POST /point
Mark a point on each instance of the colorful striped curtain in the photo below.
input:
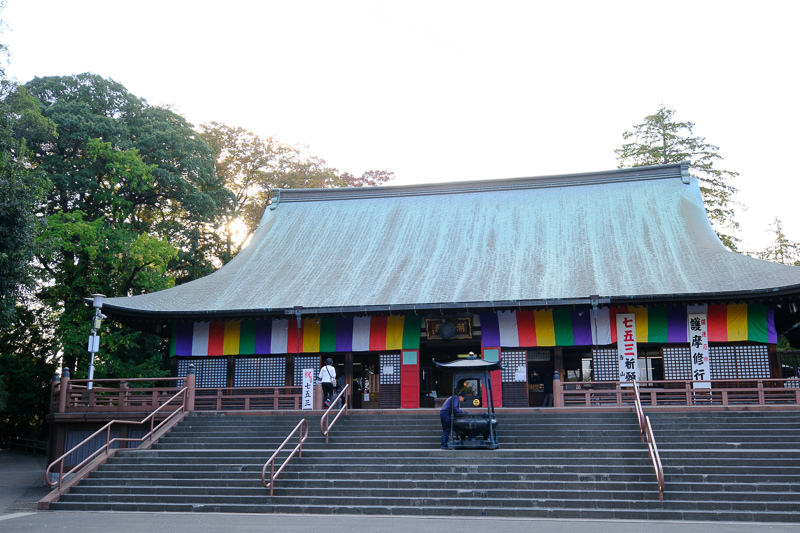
(510, 329)
(280, 336)
(661, 325)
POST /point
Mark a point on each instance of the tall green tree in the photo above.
(27, 364)
(782, 250)
(252, 167)
(660, 140)
(26, 355)
(22, 190)
(132, 209)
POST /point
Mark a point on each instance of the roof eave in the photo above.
(775, 294)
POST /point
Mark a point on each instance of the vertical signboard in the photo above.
(698, 343)
(626, 347)
(308, 388)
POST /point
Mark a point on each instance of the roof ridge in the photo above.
(673, 170)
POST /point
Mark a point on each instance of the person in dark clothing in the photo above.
(450, 406)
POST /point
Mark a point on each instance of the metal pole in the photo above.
(92, 351)
(94, 340)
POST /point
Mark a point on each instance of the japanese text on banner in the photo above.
(308, 388)
(626, 347)
(698, 344)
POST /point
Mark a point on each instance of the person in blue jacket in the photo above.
(450, 406)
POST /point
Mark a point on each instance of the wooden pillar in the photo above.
(774, 358)
(62, 393)
(318, 398)
(409, 379)
(558, 375)
(189, 382)
(289, 377)
(558, 361)
(123, 396)
(348, 377)
(494, 355)
(230, 371)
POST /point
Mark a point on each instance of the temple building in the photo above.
(606, 276)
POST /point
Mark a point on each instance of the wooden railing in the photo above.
(723, 392)
(107, 447)
(146, 395)
(646, 433)
(324, 425)
(248, 398)
(302, 428)
(113, 395)
(140, 395)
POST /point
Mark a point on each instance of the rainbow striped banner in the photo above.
(741, 322)
(280, 336)
(545, 327)
(662, 325)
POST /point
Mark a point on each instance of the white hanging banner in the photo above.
(626, 347)
(698, 343)
(308, 388)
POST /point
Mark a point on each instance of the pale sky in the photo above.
(443, 91)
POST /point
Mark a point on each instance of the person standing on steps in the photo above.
(449, 408)
(327, 377)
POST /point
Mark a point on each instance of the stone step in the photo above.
(543, 511)
(466, 500)
(331, 491)
(644, 483)
(389, 468)
(399, 429)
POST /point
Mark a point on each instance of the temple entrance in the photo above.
(540, 372)
(436, 383)
(365, 380)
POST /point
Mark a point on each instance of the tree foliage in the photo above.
(27, 365)
(782, 250)
(132, 209)
(102, 193)
(22, 190)
(661, 140)
(252, 167)
(26, 354)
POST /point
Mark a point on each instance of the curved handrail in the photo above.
(273, 475)
(110, 441)
(325, 426)
(646, 432)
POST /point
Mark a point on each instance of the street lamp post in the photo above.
(94, 338)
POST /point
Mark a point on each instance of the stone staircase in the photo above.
(554, 464)
(747, 464)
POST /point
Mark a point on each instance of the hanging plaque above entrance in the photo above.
(448, 328)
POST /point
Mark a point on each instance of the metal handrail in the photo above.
(325, 426)
(646, 433)
(273, 475)
(109, 441)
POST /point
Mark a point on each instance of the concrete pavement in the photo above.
(87, 522)
(22, 485)
(21, 481)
